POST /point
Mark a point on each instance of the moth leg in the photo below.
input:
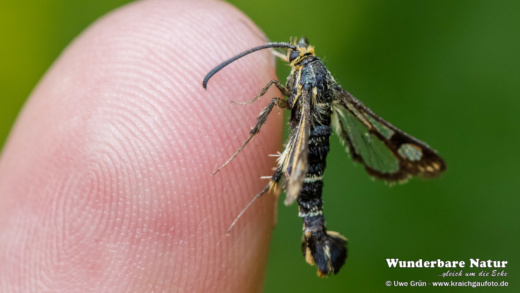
(272, 185)
(260, 121)
(264, 90)
(280, 55)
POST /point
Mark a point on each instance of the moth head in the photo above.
(302, 51)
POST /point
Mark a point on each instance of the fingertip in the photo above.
(120, 139)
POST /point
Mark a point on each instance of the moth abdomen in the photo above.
(326, 250)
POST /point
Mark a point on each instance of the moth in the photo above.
(319, 106)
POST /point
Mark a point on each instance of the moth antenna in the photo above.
(227, 62)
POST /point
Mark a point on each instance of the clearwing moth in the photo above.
(319, 105)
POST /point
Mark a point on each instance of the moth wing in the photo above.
(295, 157)
(387, 152)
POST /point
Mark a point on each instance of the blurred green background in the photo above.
(447, 72)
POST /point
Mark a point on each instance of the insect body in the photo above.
(318, 105)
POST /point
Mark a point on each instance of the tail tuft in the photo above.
(326, 250)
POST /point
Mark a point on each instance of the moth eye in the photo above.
(293, 55)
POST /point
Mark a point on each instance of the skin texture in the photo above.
(105, 181)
